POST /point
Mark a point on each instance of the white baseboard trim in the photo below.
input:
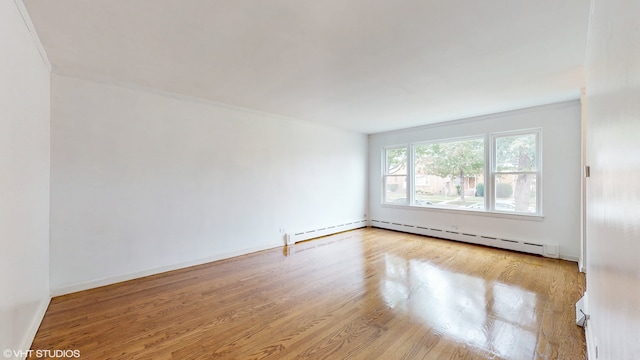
(497, 241)
(86, 285)
(581, 266)
(572, 259)
(591, 344)
(302, 235)
(292, 249)
(34, 325)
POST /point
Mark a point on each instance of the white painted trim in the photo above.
(32, 30)
(86, 285)
(463, 121)
(493, 214)
(571, 258)
(297, 236)
(583, 183)
(589, 337)
(493, 171)
(588, 333)
(490, 173)
(527, 246)
(34, 325)
(592, 6)
(305, 246)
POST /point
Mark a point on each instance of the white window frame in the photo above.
(385, 176)
(490, 174)
(490, 201)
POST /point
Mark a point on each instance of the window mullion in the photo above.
(489, 186)
(539, 172)
(410, 174)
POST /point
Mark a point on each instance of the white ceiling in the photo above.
(365, 65)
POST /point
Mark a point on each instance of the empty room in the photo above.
(319, 179)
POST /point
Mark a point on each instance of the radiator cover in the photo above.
(547, 250)
(297, 236)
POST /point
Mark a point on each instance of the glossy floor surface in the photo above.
(364, 294)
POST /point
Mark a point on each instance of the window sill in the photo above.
(493, 214)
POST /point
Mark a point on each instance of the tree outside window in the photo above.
(516, 167)
(452, 173)
(455, 167)
(395, 175)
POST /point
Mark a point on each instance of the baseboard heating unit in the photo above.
(547, 250)
(297, 236)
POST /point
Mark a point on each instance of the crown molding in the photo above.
(32, 30)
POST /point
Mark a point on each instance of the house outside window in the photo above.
(395, 175)
(451, 173)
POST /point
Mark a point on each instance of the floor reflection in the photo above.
(366, 294)
(498, 318)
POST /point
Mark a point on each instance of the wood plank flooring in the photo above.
(364, 294)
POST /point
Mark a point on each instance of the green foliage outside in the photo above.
(465, 158)
(517, 153)
(396, 161)
(452, 159)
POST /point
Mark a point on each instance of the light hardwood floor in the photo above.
(364, 294)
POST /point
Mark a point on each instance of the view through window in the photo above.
(447, 173)
(493, 172)
(516, 172)
(395, 176)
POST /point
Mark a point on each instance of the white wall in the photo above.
(24, 182)
(613, 190)
(561, 153)
(143, 182)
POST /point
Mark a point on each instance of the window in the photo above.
(516, 172)
(487, 173)
(452, 168)
(395, 175)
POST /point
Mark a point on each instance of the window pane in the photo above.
(395, 189)
(396, 161)
(516, 153)
(447, 174)
(516, 193)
